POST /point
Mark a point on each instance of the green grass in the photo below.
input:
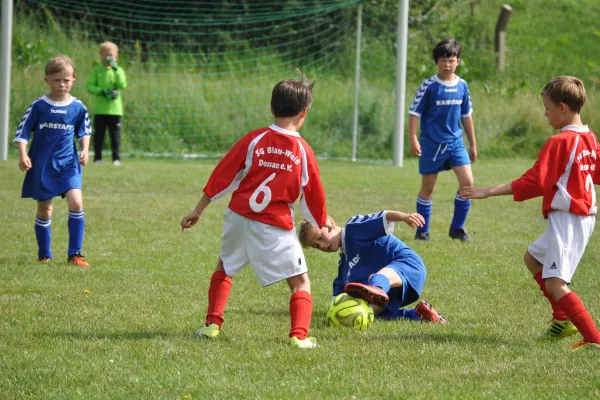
(131, 336)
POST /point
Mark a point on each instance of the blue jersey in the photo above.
(55, 164)
(440, 106)
(368, 245)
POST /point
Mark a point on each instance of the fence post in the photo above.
(500, 37)
(5, 76)
(356, 81)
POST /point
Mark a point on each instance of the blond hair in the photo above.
(109, 46)
(305, 229)
(59, 64)
(568, 90)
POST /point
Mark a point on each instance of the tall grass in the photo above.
(176, 110)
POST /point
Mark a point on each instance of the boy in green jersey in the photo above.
(106, 81)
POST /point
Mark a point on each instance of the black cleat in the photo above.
(422, 236)
(460, 234)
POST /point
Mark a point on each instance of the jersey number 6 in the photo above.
(262, 188)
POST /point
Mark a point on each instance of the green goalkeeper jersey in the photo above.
(103, 78)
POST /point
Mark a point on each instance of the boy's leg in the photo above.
(218, 294)
(464, 175)
(424, 203)
(574, 309)
(114, 130)
(535, 267)
(43, 220)
(99, 132)
(76, 225)
(300, 306)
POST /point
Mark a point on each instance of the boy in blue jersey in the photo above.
(375, 265)
(52, 165)
(442, 103)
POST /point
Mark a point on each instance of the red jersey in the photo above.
(564, 173)
(268, 169)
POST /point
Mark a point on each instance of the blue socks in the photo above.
(42, 235)
(461, 209)
(424, 208)
(402, 313)
(381, 281)
(76, 224)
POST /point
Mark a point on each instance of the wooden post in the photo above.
(500, 37)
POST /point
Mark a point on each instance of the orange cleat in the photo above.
(428, 313)
(582, 344)
(370, 294)
(78, 259)
(45, 260)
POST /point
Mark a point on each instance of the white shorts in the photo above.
(274, 253)
(560, 248)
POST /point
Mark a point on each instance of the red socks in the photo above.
(557, 312)
(300, 313)
(579, 316)
(218, 293)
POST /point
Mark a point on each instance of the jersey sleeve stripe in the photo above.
(419, 95)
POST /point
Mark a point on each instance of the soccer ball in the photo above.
(345, 310)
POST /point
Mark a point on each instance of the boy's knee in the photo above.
(44, 209)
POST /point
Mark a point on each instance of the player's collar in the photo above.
(580, 129)
(284, 131)
(445, 83)
(58, 103)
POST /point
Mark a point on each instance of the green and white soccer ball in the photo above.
(345, 310)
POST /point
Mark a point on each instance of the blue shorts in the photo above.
(437, 157)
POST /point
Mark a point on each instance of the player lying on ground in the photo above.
(375, 265)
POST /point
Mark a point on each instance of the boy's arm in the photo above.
(92, 85)
(121, 80)
(469, 128)
(471, 192)
(84, 156)
(413, 125)
(413, 220)
(194, 216)
(24, 160)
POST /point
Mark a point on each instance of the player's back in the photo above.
(279, 165)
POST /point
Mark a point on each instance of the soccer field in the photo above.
(124, 328)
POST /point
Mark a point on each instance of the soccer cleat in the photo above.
(79, 260)
(459, 233)
(428, 313)
(561, 329)
(370, 294)
(210, 331)
(422, 236)
(308, 343)
(582, 344)
(117, 163)
(45, 260)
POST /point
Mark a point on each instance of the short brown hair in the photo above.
(566, 89)
(447, 48)
(59, 64)
(291, 96)
(305, 228)
(109, 46)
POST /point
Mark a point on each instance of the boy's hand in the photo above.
(413, 220)
(330, 224)
(110, 94)
(112, 62)
(25, 163)
(84, 157)
(189, 220)
(415, 147)
(471, 192)
(473, 153)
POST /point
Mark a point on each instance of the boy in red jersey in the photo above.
(268, 170)
(564, 174)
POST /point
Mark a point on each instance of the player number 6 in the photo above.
(262, 188)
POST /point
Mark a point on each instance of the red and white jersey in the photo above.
(564, 174)
(268, 170)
